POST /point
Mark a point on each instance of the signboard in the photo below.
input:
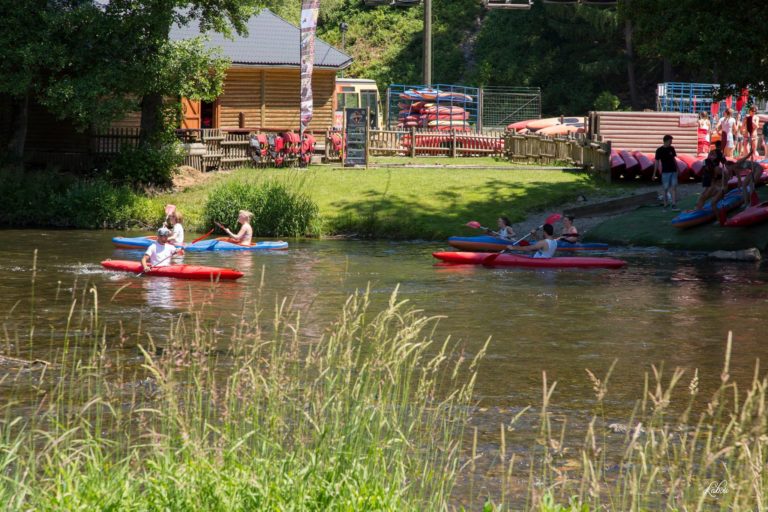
(356, 136)
(688, 120)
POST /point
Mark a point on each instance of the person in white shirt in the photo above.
(176, 220)
(727, 127)
(505, 231)
(546, 247)
(159, 253)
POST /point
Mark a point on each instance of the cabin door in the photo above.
(190, 114)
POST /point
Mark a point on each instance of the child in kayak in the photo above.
(177, 236)
(159, 253)
(244, 236)
(570, 234)
(505, 231)
(546, 247)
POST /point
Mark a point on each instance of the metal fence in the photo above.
(501, 106)
(405, 103)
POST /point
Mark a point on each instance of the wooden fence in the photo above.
(449, 143)
(579, 151)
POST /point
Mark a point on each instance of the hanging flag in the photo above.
(309, 10)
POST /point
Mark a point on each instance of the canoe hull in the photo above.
(491, 244)
(706, 215)
(197, 272)
(218, 244)
(752, 215)
(514, 260)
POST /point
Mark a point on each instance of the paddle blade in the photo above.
(488, 261)
(553, 218)
(202, 237)
(169, 209)
(474, 224)
(523, 243)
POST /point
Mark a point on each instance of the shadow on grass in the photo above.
(443, 213)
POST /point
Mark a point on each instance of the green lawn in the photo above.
(410, 203)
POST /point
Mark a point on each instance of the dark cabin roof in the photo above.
(271, 41)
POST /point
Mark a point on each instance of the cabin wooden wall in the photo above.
(269, 98)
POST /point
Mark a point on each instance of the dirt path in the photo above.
(584, 224)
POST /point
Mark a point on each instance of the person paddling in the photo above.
(546, 247)
(570, 234)
(159, 253)
(244, 236)
(505, 231)
(177, 236)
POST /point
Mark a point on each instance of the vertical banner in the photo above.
(309, 10)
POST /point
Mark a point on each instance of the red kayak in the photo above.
(752, 215)
(178, 271)
(515, 260)
(630, 162)
(646, 164)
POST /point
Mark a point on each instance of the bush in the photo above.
(146, 165)
(607, 102)
(47, 199)
(278, 210)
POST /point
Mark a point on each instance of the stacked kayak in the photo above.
(752, 215)
(177, 271)
(706, 215)
(218, 244)
(492, 243)
(514, 260)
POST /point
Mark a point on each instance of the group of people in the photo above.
(738, 136)
(715, 174)
(170, 239)
(544, 248)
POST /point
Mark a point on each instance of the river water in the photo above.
(669, 308)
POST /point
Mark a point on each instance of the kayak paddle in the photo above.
(549, 220)
(202, 237)
(156, 264)
(476, 225)
(169, 210)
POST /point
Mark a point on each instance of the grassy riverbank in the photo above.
(386, 202)
(259, 414)
(408, 203)
(248, 417)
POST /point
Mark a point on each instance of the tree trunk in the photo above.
(632, 82)
(19, 121)
(667, 76)
(151, 118)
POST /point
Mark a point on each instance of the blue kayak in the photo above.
(217, 244)
(491, 243)
(706, 215)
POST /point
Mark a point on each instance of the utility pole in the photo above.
(428, 43)
(343, 27)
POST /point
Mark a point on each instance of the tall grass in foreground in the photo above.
(667, 457)
(368, 418)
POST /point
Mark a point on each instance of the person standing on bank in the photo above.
(665, 163)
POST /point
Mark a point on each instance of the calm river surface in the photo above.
(664, 307)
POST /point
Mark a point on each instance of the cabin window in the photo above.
(347, 100)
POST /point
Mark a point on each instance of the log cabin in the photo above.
(260, 93)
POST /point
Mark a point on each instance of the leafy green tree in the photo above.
(715, 41)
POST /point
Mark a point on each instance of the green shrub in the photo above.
(146, 165)
(607, 101)
(45, 199)
(278, 209)
(97, 203)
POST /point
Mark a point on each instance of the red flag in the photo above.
(728, 101)
(715, 108)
